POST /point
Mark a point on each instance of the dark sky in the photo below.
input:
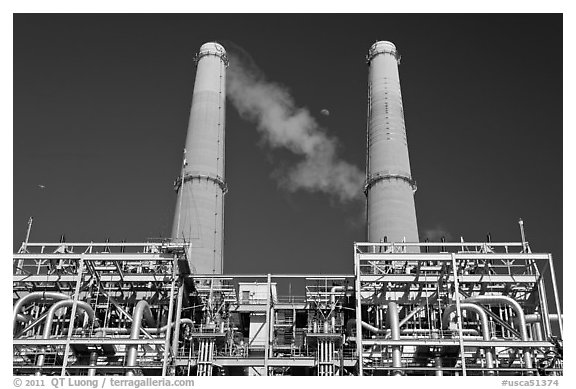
(101, 105)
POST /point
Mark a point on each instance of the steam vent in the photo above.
(167, 308)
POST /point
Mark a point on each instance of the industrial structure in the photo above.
(168, 308)
(199, 216)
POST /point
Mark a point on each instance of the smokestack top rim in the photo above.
(383, 43)
(382, 47)
(212, 48)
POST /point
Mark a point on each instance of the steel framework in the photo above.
(136, 309)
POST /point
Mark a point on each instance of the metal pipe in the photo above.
(23, 318)
(94, 355)
(34, 296)
(407, 331)
(169, 319)
(536, 317)
(437, 358)
(150, 330)
(519, 313)
(61, 304)
(484, 325)
(176, 337)
(335, 289)
(458, 302)
(93, 363)
(537, 329)
(352, 322)
(50, 318)
(142, 311)
(394, 325)
(556, 297)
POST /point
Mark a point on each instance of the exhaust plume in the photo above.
(284, 125)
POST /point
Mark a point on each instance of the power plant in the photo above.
(168, 308)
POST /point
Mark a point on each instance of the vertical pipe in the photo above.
(437, 358)
(389, 185)
(200, 358)
(458, 313)
(556, 298)
(201, 187)
(544, 308)
(394, 324)
(168, 332)
(267, 340)
(94, 355)
(210, 356)
(176, 338)
(331, 357)
(358, 295)
(522, 235)
(543, 302)
(79, 278)
(141, 311)
(320, 357)
(537, 330)
(93, 363)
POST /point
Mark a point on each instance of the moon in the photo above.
(325, 112)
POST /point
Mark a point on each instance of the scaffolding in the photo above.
(136, 309)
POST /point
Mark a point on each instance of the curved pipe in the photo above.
(33, 297)
(23, 318)
(61, 304)
(50, 319)
(485, 328)
(519, 313)
(335, 289)
(142, 311)
(352, 324)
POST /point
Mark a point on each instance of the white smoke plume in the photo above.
(284, 125)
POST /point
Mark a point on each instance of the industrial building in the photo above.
(169, 307)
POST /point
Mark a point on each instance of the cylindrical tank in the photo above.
(389, 185)
(199, 216)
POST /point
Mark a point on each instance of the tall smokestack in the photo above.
(389, 185)
(199, 216)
